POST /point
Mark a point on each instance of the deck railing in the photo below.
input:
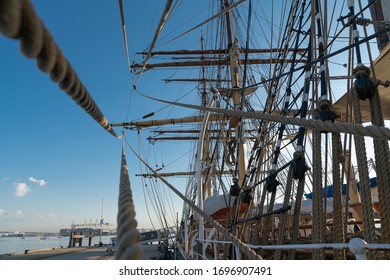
(356, 246)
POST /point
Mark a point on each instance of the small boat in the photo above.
(218, 206)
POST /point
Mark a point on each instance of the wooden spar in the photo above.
(221, 51)
(186, 173)
(195, 80)
(176, 138)
(187, 138)
(172, 174)
(196, 131)
(209, 62)
(182, 131)
(193, 119)
(161, 122)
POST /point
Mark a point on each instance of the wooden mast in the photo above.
(236, 96)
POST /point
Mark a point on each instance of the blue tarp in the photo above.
(329, 189)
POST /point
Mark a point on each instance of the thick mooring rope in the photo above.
(129, 247)
(19, 20)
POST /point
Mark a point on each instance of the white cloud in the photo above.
(49, 216)
(2, 212)
(18, 213)
(40, 182)
(21, 189)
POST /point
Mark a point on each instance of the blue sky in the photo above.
(57, 163)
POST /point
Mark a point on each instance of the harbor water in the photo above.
(18, 245)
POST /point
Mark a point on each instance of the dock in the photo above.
(151, 251)
(77, 238)
(78, 250)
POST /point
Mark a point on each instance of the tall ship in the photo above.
(280, 130)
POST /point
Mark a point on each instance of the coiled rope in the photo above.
(129, 247)
(18, 20)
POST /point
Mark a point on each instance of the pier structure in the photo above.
(77, 237)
